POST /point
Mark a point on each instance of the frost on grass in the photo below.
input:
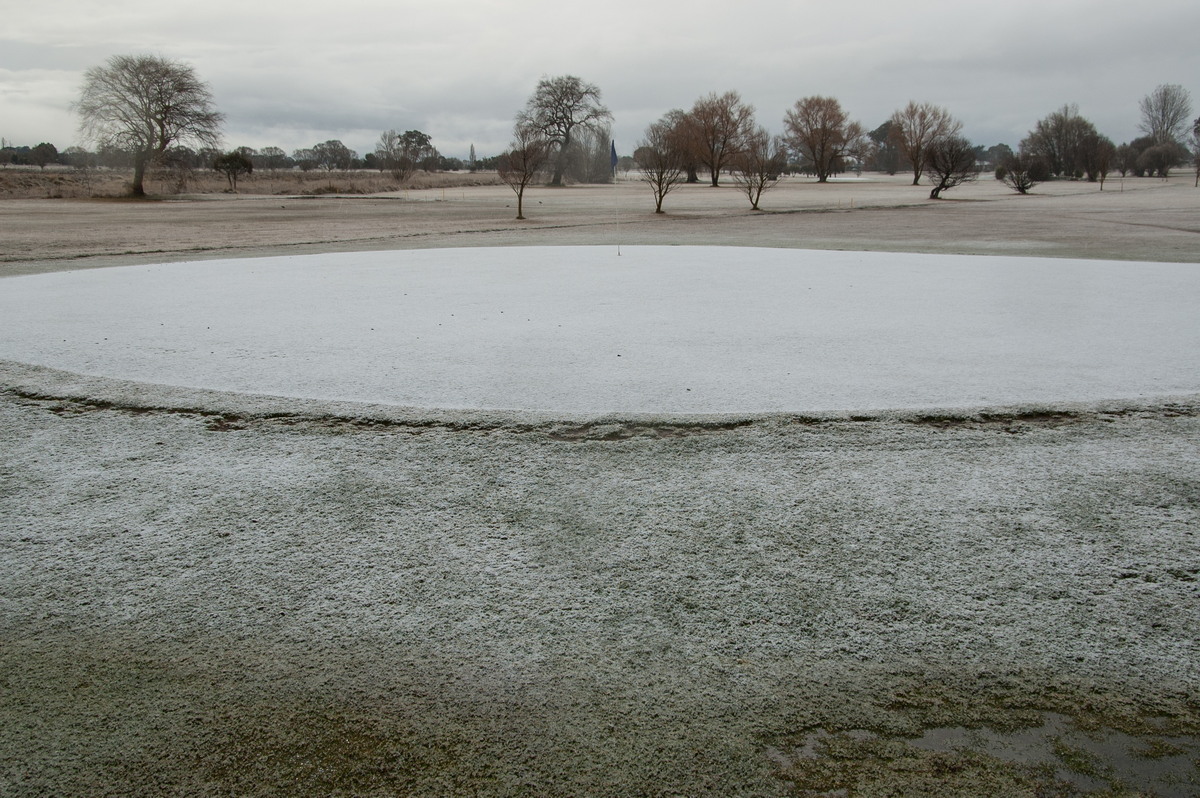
(285, 600)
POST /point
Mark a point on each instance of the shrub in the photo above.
(1022, 172)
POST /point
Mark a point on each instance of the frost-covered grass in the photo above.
(282, 595)
(212, 592)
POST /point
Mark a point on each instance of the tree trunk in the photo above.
(137, 188)
(520, 199)
(561, 161)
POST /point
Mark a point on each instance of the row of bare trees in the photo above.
(146, 104)
(719, 135)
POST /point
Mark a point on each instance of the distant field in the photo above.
(59, 183)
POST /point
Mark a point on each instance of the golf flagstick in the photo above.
(612, 162)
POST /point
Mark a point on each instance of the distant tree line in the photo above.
(40, 155)
(328, 155)
(141, 111)
(719, 136)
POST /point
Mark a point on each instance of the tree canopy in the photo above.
(557, 108)
(1059, 140)
(758, 166)
(950, 162)
(822, 135)
(233, 165)
(1165, 113)
(660, 160)
(916, 128)
(523, 162)
(718, 130)
(143, 104)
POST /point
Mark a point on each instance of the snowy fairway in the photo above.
(650, 330)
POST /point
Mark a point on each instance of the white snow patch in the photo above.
(654, 329)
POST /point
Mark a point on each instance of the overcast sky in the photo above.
(292, 74)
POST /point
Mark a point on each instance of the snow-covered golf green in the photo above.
(637, 330)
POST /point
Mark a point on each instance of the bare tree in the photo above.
(1159, 159)
(589, 159)
(390, 153)
(1059, 140)
(660, 160)
(758, 167)
(1126, 160)
(524, 161)
(717, 131)
(1165, 113)
(1097, 154)
(144, 104)
(915, 128)
(681, 132)
(559, 106)
(404, 153)
(1195, 142)
(822, 135)
(1021, 172)
(950, 162)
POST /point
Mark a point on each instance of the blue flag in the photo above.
(613, 158)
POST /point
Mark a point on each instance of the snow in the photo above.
(651, 329)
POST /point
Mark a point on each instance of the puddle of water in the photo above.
(1103, 759)
(1089, 760)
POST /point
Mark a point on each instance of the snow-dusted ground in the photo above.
(651, 330)
(210, 592)
(276, 599)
